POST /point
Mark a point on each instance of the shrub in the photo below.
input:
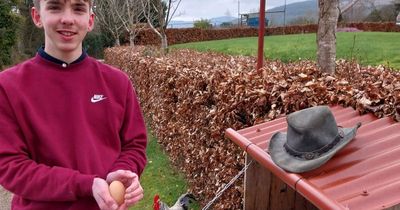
(9, 20)
(203, 24)
(95, 43)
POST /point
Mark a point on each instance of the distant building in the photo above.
(251, 19)
(180, 24)
(398, 19)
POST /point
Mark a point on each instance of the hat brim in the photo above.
(297, 165)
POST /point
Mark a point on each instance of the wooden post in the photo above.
(263, 190)
(261, 31)
(257, 187)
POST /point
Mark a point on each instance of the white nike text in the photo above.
(97, 98)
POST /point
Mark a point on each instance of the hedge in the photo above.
(185, 35)
(189, 99)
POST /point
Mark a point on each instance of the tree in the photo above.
(95, 42)
(161, 12)
(308, 18)
(356, 13)
(326, 35)
(131, 14)
(107, 16)
(348, 6)
(345, 8)
(30, 37)
(381, 13)
(397, 5)
(203, 24)
(9, 18)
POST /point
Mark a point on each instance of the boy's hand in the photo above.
(102, 195)
(134, 191)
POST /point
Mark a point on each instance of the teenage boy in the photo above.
(69, 125)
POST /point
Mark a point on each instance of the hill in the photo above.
(305, 11)
(296, 13)
(217, 21)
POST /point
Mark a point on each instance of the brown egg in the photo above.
(117, 191)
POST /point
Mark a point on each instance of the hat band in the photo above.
(316, 153)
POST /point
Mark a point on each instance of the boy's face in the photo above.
(65, 23)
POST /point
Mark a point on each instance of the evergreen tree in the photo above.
(30, 37)
(9, 19)
(203, 24)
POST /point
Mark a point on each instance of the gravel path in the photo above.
(5, 199)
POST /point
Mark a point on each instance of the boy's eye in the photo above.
(53, 7)
(80, 9)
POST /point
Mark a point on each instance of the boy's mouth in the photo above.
(66, 33)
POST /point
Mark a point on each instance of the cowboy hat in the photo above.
(312, 138)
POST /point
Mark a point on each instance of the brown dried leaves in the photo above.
(190, 98)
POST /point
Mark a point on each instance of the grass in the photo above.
(159, 177)
(368, 48)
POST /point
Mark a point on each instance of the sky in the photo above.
(190, 10)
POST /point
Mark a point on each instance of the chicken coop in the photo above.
(363, 175)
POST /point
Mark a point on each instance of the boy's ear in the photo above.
(36, 17)
(91, 22)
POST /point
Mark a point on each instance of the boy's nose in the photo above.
(67, 18)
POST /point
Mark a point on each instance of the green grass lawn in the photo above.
(159, 177)
(368, 48)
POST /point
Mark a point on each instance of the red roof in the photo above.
(363, 175)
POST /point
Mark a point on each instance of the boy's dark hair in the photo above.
(37, 5)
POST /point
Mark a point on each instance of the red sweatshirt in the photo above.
(62, 126)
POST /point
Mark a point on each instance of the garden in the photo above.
(190, 97)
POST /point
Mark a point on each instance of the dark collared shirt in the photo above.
(50, 58)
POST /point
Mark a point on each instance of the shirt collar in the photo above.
(50, 58)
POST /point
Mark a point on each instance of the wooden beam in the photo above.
(261, 31)
(263, 190)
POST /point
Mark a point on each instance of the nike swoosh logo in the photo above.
(97, 98)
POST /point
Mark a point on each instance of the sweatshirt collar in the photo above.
(57, 61)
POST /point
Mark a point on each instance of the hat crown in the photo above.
(311, 129)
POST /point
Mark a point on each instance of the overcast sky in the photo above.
(190, 10)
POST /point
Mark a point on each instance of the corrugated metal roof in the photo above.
(363, 175)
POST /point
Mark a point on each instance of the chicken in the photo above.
(182, 203)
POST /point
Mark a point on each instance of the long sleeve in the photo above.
(62, 127)
(23, 176)
(133, 136)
